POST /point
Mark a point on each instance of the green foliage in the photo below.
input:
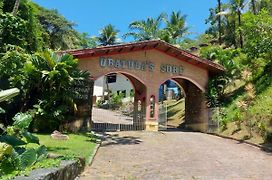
(79, 145)
(115, 100)
(108, 35)
(28, 158)
(173, 30)
(12, 30)
(99, 103)
(58, 31)
(22, 121)
(45, 80)
(23, 29)
(35, 28)
(203, 39)
(86, 41)
(230, 59)
(145, 29)
(13, 141)
(258, 35)
(8, 94)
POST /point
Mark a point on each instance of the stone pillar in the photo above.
(196, 111)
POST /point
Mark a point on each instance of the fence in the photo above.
(109, 120)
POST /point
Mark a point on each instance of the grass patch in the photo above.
(78, 145)
(259, 115)
(175, 112)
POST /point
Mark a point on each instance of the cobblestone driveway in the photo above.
(177, 155)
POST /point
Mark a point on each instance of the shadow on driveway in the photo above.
(114, 139)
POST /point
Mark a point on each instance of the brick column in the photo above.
(196, 111)
(152, 122)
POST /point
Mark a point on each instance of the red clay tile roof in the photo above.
(159, 45)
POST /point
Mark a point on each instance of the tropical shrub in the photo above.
(46, 82)
(14, 156)
(230, 59)
(115, 100)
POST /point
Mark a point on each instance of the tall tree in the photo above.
(265, 4)
(237, 6)
(145, 29)
(59, 32)
(254, 8)
(23, 29)
(108, 35)
(219, 9)
(175, 26)
(16, 7)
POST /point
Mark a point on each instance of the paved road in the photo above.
(177, 155)
(108, 116)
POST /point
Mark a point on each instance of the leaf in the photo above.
(12, 140)
(2, 111)
(30, 138)
(28, 158)
(7, 166)
(5, 149)
(41, 152)
(8, 94)
(20, 150)
(22, 120)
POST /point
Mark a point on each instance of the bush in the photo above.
(115, 100)
(99, 103)
(46, 82)
(268, 136)
(14, 156)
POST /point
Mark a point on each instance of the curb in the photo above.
(267, 149)
(92, 156)
(68, 170)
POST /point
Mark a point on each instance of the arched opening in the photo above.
(171, 105)
(118, 102)
(181, 105)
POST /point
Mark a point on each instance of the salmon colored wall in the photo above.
(152, 80)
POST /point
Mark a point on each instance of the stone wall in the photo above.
(68, 170)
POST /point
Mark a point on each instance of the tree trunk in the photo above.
(240, 31)
(219, 23)
(16, 7)
(253, 4)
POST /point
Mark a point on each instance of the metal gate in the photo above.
(109, 120)
(213, 123)
(162, 117)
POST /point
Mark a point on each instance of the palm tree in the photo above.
(253, 4)
(175, 27)
(145, 29)
(219, 22)
(16, 7)
(108, 35)
(237, 6)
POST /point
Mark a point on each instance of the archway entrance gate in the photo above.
(147, 65)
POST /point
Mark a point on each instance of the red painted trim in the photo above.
(112, 53)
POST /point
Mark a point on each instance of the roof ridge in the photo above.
(92, 51)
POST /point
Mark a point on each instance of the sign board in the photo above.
(139, 65)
